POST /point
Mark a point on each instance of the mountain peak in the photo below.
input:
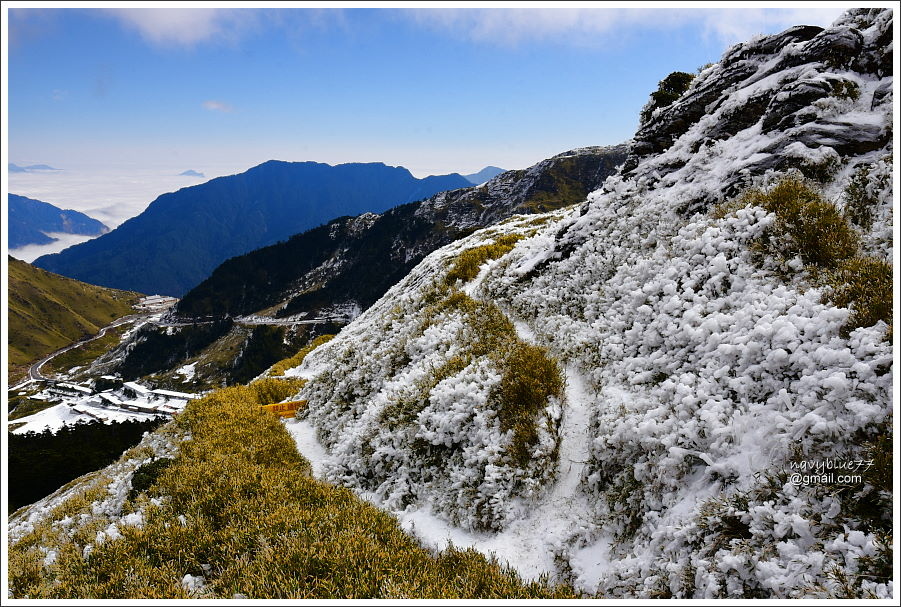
(186, 234)
(484, 175)
(30, 222)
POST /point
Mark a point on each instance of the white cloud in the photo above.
(186, 26)
(217, 106)
(735, 25)
(590, 25)
(30, 252)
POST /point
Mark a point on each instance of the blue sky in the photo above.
(435, 90)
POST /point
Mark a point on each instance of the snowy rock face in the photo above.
(805, 88)
(712, 371)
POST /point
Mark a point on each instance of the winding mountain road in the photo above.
(255, 321)
(34, 371)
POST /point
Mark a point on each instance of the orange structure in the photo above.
(288, 409)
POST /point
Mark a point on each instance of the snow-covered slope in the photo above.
(701, 369)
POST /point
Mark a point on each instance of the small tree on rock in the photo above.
(669, 89)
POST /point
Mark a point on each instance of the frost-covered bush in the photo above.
(815, 230)
(862, 194)
(806, 224)
(454, 408)
(864, 284)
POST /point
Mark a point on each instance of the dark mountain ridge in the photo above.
(30, 220)
(182, 236)
(350, 262)
(336, 270)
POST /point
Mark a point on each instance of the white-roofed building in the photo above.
(134, 389)
(171, 394)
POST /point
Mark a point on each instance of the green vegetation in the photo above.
(530, 378)
(669, 89)
(87, 352)
(870, 503)
(845, 89)
(723, 516)
(560, 186)
(159, 349)
(47, 312)
(863, 284)
(281, 366)
(806, 224)
(254, 524)
(41, 463)
(466, 265)
(861, 195)
(270, 390)
(813, 228)
(146, 474)
(264, 346)
(23, 406)
(822, 171)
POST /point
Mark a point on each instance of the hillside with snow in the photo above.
(678, 388)
(703, 357)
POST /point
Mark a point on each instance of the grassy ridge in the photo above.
(241, 509)
(48, 311)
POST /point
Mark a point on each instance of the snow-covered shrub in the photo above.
(806, 224)
(846, 89)
(865, 285)
(453, 408)
(861, 196)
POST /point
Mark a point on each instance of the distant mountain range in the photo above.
(352, 261)
(182, 236)
(14, 168)
(484, 175)
(340, 268)
(31, 220)
(191, 173)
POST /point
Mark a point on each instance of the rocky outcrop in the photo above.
(787, 84)
(557, 182)
(782, 94)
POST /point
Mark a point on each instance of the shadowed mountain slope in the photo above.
(349, 263)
